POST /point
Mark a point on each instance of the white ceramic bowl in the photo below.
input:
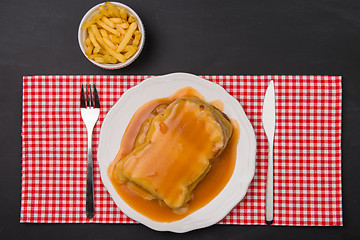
(82, 36)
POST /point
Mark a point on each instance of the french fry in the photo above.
(111, 13)
(114, 38)
(116, 20)
(136, 40)
(130, 41)
(127, 37)
(121, 38)
(106, 27)
(103, 51)
(93, 38)
(91, 21)
(115, 54)
(92, 56)
(120, 29)
(131, 19)
(104, 33)
(89, 50)
(103, 10)
(110, 59)
(99, 59)
(113, 9)
(88, 42)
(110, 44)
(98, 16)
(96, 49)
(108, 22)
(130, 53)
(124, 25)
(94, 29)
(123, 13)
(87, 24)
(128, 48)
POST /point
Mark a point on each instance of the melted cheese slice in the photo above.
(178, 150)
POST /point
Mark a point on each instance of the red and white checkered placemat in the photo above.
(307, 151)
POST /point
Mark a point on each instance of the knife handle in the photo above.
(269, 209)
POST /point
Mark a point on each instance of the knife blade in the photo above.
(269, 122)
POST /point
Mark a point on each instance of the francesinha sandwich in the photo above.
(178, 144)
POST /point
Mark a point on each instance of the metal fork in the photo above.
(90, 111)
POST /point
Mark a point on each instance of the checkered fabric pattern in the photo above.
(307, 151)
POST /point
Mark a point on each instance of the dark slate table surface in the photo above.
(39, 37)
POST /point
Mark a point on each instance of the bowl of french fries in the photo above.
(111, 35)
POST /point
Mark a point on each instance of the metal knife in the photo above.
(268, 120)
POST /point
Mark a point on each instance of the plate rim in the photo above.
(174, 226)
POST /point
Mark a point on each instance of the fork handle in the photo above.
(269, 208)
(89, 179)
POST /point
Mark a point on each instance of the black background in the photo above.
(39, 37)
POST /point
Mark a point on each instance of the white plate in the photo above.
(119, 116)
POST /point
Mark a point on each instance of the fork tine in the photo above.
(87, 97)
(96, 97)
(91, 97)
(82, 98)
